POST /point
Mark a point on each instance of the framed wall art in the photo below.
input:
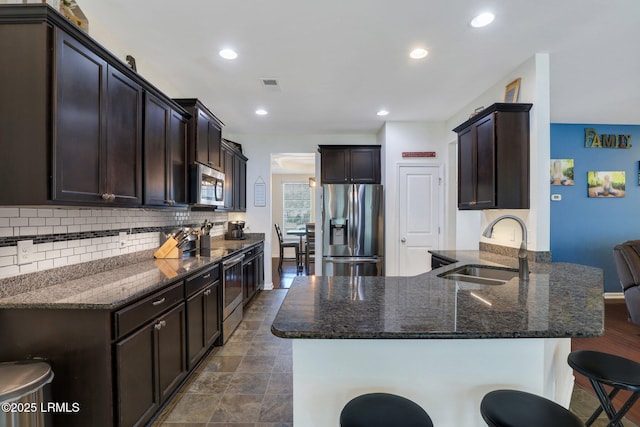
(512, 90)
(561, 172)
(606, 183)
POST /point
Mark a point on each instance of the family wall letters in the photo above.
(594, 140)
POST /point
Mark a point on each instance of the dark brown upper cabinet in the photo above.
(71, 115)
(204, 134)
(234, 166)
(165, 152)
(97, 140)
(353, 164)
(493, 158)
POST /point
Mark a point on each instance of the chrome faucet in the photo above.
(523, 262)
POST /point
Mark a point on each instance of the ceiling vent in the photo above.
(270, 83)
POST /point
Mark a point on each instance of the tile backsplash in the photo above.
(67, 236)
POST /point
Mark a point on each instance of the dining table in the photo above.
(301, 233)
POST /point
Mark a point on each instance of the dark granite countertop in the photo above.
(560, 300)
(119, 286)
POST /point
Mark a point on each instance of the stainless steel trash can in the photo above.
(22, 393)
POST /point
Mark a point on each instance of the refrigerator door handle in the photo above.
(352, 260)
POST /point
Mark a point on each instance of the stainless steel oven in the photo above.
(231, 295)
(207, 186)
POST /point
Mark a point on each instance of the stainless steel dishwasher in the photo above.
(231, 295)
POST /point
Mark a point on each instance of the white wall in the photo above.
(534, 88)
(258, 149)
(396, 137)
(277, 211)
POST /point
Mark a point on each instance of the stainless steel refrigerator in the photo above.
(353, 230)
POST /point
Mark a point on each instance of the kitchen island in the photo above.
(442, 343)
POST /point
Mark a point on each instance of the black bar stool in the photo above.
(607, 369)
(512, 408)
(383, 410)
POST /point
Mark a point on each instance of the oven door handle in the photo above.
(232, 261)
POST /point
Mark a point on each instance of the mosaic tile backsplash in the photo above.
(67, 236)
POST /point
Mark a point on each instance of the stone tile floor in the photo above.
(248, 381)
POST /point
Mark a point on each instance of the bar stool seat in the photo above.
(512, 408)
(608, 369)
(383, 410)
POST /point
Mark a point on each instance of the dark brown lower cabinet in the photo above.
(252, 272)
(120, 365)
(203, 320)
(150, 364)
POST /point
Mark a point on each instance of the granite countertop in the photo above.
(114, 288)
(560, 300)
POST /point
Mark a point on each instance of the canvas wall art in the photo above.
(606, 183)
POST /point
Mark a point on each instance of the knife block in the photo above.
(169, 249)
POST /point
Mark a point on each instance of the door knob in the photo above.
(403, 240)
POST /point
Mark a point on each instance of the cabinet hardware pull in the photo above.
(167, 201)
(160, 301)
(112, 196)
(207, 292)
(105, 196)
(158, 326)
(206, 276)
(163, 323)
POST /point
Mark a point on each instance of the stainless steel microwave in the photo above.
(207, 188)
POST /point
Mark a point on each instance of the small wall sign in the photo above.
(406, 154)
(593, 139)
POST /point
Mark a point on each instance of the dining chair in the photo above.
(309, 245)
(294, 245)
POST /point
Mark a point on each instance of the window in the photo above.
(297, 208)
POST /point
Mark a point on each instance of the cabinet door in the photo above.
(466, 169)
(214, 138)
(248, 280)
(177, 159)
(364, 166)
(171, 339)
(137, 396)
(195, 328)
(334, 166)
(124, 139)
(80, 130)
(228, 179)
(212, 318)
(156, 129)
(485, 164)
(202, 138)
(239, 184)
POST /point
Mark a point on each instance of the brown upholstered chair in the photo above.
(627, 258)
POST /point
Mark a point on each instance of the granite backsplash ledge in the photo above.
(535, 256)
(27, 282)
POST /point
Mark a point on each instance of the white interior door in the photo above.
(419, 222)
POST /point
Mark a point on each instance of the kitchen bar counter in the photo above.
(117, 287)
(441, 343)
(560, 300)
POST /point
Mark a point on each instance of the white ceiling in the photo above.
(339, 61)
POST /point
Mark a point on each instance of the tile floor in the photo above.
(248, 381)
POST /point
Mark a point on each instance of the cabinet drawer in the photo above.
(202, 279)
(129, 318)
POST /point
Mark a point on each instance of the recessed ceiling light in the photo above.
(418, 53)
(261, 112)
(228, 54)
(482, 20)
(382, 113)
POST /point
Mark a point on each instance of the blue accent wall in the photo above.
(584, 230)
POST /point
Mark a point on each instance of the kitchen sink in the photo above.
(481, 274)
